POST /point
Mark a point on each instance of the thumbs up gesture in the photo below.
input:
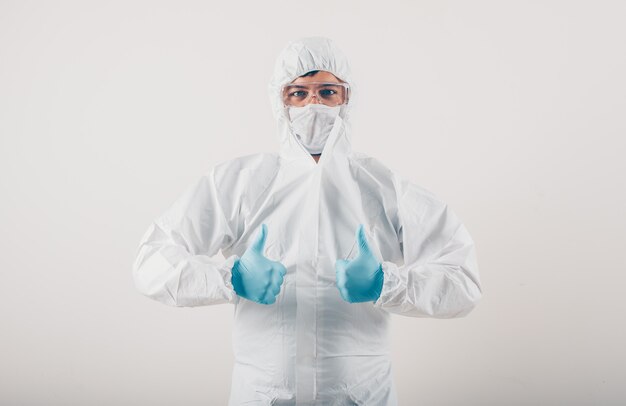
(255, 277)
(360, 279)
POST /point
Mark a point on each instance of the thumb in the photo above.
(258, 244)
(361, 239)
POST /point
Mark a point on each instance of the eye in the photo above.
(327, 92)
(298, 94)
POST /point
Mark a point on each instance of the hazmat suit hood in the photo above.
(299, 57)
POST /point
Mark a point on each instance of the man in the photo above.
(322, 245)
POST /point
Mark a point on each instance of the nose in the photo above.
(317, 100)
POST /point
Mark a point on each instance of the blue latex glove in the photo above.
(255, 277)
(361, 279)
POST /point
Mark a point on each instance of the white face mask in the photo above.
(312, 125)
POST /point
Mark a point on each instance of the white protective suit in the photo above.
(310, 347)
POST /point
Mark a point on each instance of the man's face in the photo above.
(317, 88)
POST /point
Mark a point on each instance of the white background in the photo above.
(513, 112)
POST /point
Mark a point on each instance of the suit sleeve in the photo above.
(439, 277)
(176, 262)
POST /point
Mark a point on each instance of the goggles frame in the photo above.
(306, 86)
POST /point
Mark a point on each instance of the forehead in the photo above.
(321, 76)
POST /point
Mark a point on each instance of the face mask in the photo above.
(312, 125)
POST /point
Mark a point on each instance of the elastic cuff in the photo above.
(225, 270)
(391, 282)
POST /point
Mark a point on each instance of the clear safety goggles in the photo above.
(328, 93)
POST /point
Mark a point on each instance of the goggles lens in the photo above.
(328, 93)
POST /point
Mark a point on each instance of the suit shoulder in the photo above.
(403, 186)
(235, 169)
(372, 165)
